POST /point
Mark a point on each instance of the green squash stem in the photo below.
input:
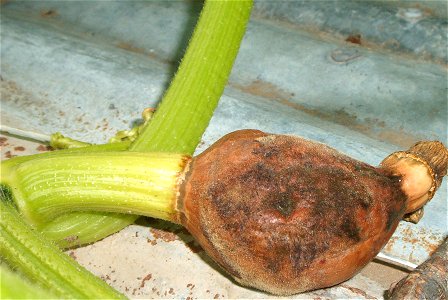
(181, 118)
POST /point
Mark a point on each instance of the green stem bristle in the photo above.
(43, 262)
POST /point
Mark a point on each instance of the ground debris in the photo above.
(427, 281)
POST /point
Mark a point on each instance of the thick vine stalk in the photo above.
(189, 102)
(123, 181)
(44, 263)
(182, 116)
(14, 286)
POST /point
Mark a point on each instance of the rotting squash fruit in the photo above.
(287, 215)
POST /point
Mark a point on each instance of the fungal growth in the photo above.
(287, 215)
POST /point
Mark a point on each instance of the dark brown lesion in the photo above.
(289, 205)
(303, 254)
(351, 230)
(392, 216)
(284, 203)
(261, 174)
(266, 151)
(223, 207)
(330, 196)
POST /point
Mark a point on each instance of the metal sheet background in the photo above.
(88, 69)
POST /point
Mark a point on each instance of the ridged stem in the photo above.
(13, 286)
(79, 228)
(124, 182)
(43, 262)
(184, 112)
(188, 105)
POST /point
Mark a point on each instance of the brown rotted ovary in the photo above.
(286, 215)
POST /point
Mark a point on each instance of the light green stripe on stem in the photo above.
(80, 228)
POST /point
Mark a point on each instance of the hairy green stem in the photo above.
(79, 228)
(189, 102)
(44, 263)
(125, 182)
(184, 113)
(14, 286)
